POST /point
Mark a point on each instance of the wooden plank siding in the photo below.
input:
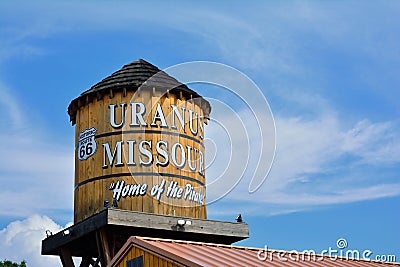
(135, 248)
(149, 260)
(92, 181)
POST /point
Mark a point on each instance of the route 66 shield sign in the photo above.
(87, 143)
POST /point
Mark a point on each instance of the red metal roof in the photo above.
(215, 255)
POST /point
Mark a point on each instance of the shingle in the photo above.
(139, 73)
(136, 73)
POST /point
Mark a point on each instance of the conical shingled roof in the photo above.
(139, 73)
(135, 74)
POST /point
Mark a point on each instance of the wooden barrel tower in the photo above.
(139, 168)
(139, 145)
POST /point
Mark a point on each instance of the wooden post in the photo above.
(66, 258)
(102, 247)
(86, 261)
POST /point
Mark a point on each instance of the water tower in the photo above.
(139, 167)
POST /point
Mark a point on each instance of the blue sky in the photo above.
(329, 70)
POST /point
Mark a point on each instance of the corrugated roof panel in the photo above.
(187, 253)
(214, 255)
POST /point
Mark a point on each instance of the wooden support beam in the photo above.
(86, 261)
(99, 250)
(103, 247)
(66, 258)
(96, 263)
(123, 223)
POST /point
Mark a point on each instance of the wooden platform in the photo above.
(103, 234)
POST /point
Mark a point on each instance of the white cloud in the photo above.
(212, 27)
(375, 143)
(32, 169)
(320, 160)
(21, 240)
(11, 114)
(276, 39)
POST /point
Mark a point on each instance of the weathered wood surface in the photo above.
(66, 258)
(103, 247)
(89, 197)
(119, 225)
(149, 259)
(87, 261)
(162, 222)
